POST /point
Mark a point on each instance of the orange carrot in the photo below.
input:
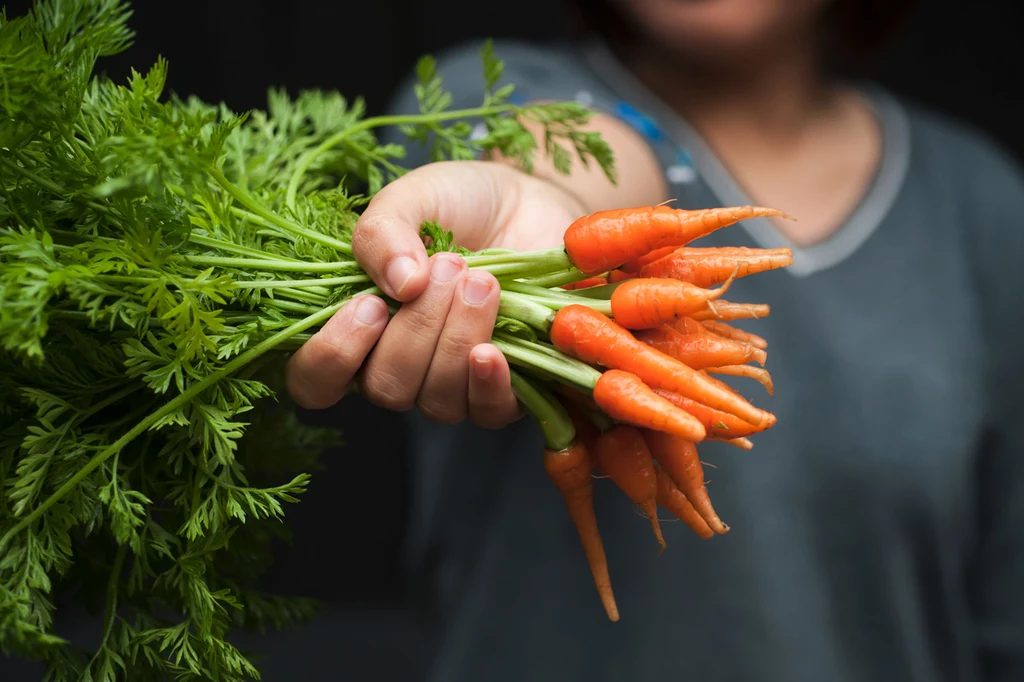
(651, 302)
(727, 310)
(730, 332)
(623, 455)
(701, 349)
(679, 459)
(707, 267)
(673, 500)
(758, 374)
(741, 443)
(593, 338)
(605, 240)
(637, 263)
(619, 276)
(719, 425)
(586, 283)
(625, 398)
(570, 471)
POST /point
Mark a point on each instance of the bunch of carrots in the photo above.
(619, 377)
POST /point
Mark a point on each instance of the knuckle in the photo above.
(370, 234)
(385, 390)
(440, 411)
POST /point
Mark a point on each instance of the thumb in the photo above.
(463, 196)
(386, 240)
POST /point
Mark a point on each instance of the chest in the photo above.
(880, 395)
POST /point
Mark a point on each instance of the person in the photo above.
(876, 530)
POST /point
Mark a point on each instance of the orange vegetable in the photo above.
(637, 263)
(625, 398)
(623, 455)
(593, 338)
(651, 302)
(570, 471)
(679, 459)
(757, 373)
(605, 240)
(719, 425)
(673, 500)
(707, 267)
(701, 349)
(727, 310)
(728, 331)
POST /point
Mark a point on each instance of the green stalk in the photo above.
(525, 309)
(556, 279)
(603, 292)
(271, 264)
(256, 207)
(376, 122)
(556, 300)
(324, 282)
(519, 352)
(168, 408)
(554, 421)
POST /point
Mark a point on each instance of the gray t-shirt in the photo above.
(877, 530)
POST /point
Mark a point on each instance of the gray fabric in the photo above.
(877, 530)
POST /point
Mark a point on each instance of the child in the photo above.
(876, 530)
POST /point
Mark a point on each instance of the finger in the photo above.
(317, 375)
(460, 196)
(492, 405)
(396, 368)
(470, 322)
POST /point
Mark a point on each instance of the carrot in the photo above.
(623, 455)
(730, 332)
(625, 398)
(719, 425)
(679, 458)
(707, 267)
(758, 374)
(701, 349)
(727, 310)
(593, 338)
(651, 302)
(619, 276)
(673, 500)
(586, 283)
(570, 471)
(637, 263)
(742, 443)
(606, 240)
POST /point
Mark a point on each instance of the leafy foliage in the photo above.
(158, 257)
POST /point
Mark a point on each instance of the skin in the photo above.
(806, 146)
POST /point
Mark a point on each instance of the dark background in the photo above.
(347, 540)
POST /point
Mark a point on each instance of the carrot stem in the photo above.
(525, 309)
(535, 356)
(557, 299)
(554, 421)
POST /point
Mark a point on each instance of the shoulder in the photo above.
(982, 173)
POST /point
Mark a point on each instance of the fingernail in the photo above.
(369, 311)
(445, 268)
(483, 368)
(477, 290)
(400, 271)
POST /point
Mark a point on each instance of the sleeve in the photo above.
(997, 568)
(538, 72)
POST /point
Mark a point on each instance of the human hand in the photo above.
(435, 353)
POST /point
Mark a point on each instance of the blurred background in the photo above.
(346, 549)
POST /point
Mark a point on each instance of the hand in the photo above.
(434, 354)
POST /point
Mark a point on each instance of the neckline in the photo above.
(859, 225)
